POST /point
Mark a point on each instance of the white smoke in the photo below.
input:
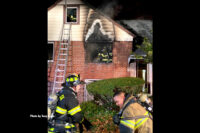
(108, 8)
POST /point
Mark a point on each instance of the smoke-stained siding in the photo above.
(106, 26)
(55, 21)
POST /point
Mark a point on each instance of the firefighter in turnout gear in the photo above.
(132, 118)
(104, 56)
(72, 18)
(68, 111)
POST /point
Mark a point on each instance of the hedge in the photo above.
(100, 118)
(105, 87)
(102, 90)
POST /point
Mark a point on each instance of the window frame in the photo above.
(77, 14)
(52, 53)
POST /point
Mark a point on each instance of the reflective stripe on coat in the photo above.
(142, 125)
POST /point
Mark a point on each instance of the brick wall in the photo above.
(52, 65)
(121, 51)
(76, 63)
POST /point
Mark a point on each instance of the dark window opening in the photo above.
(99, 52)
(98, 47)
(72, 14)
(137, 41)
(50, 51)
(104, 54)
(142, 71)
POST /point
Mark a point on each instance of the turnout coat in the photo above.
(141, 123)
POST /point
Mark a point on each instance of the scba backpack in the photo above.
(52, 103)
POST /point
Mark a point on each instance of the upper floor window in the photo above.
(72, 14)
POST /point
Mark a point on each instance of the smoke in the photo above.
(111, 9)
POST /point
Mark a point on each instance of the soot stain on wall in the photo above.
(98, 46)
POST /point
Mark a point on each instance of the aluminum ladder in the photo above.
(62, 58)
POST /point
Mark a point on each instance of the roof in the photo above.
(101, 13)
(53, 5)
(141, 28)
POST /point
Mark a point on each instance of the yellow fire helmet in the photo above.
(73, 80)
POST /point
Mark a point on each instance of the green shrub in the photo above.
(100, 117)
(90, 108)
(105, 87)
(102, 90)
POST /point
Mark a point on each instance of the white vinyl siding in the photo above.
(55, 22)
(121, 35)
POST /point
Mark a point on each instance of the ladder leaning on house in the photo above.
(62, 58)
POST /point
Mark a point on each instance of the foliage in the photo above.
(100, 117)
(105, 87)
(102, 90)
(148, 49)
(101, 110)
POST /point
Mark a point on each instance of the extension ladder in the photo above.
(62, 58)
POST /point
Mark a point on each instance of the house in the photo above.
(83, 40)
(138, 67)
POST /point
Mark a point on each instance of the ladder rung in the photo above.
(58, 82)
(63, 54)
(63, 48)
(59, 76)
(61, 65)
(58, 70)
(66, 29)
(64, 43)
(61, 59)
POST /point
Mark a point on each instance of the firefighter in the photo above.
(132, 118)
(103, 55)
(72, 18)
(68, 111)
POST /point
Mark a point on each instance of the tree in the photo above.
(146, 46)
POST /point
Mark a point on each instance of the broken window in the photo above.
(99, 52)
(104, 54)
(72, 15)
(50, 51)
